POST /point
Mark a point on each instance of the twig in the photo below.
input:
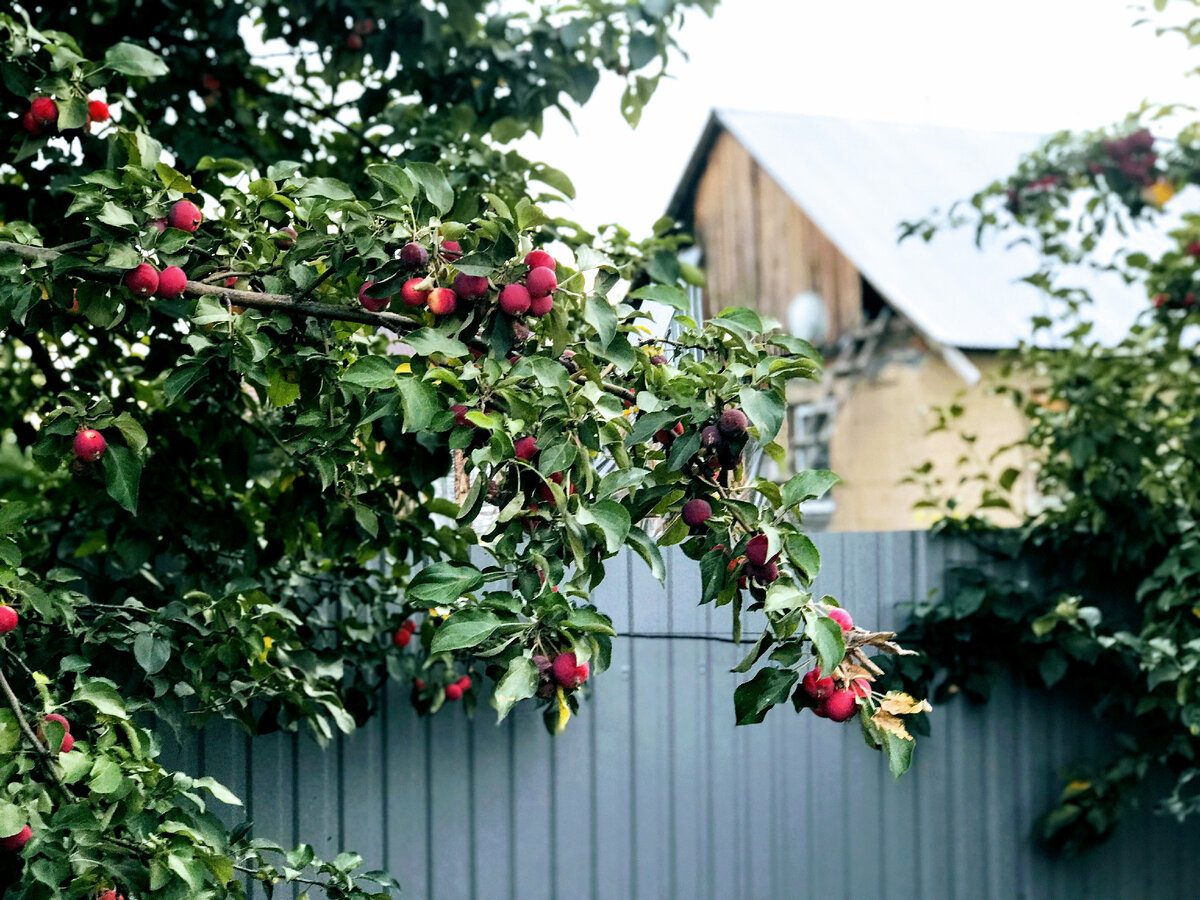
(685, 637)
(45, 757)
(15, 705)
(285, 303)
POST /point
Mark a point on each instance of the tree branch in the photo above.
(285, 303)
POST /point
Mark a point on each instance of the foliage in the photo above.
(1106, 609)
(271, 508)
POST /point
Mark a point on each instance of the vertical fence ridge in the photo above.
(654, 793)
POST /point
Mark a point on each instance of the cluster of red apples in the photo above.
(42, 117)
(833, 702)
(144, 280)
(534, 297)
(402, 638)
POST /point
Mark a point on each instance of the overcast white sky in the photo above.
(1021, 65)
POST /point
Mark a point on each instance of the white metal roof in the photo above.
(858, 180)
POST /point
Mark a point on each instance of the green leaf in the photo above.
(218, 790)
(464, 628)
(760, 647)
(765, 409)
(754, 699)
(663, 293)
(280, 391)
(122, 472)
(808, 485)
(518, 683)
(173, 180)
(556, 179)
(103, 697)
(393, 179)
(371, 372)
(151, 652)
(326, 189)
(1053, 667)
(106, 777)
(426, 341)
(647, 550)
(899, 753)
(180, 381)
(442, 583)
(827, 639)
(613, 519)
(741, 317)
(134, 434)
(589, 620)
(435, 185)
(72, 113)
(420, 402)
(599, 313)
(12, 818)
(803, 554)
(118, 217)
(130, 59)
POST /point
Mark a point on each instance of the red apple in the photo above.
(539, 306)
(442, 301)
(185, 215)
(89, 445)
(15, 842)
(840, 705)
(142, 281)
(8, 619)
(171, 282)
(44, 111)
(568, 672)
(842, 618)
(514, 299)
(541, 281)
(372, 304)
(539, 259)
(413, 255)
(470, 287)
(410, 294)
(696, 512)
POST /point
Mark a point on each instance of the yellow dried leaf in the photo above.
(901, 704)
(852, 671)
(1159, 193)
(889, 723)
(564, 712)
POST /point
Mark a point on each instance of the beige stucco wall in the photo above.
(881, 435)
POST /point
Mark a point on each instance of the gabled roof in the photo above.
(858, 180)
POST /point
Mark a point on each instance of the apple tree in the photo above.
(1110, 500)
(305, 390)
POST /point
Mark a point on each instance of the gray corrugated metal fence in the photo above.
(653, 793)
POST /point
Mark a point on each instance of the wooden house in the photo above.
(799, 217)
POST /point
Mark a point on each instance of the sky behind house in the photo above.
(1022, 65)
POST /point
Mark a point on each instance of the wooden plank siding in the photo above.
(761, 249)
(653, 793)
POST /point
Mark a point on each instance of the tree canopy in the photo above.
(1105, 610)
(259, 310)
